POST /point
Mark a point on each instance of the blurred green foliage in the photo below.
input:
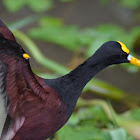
(95, 123)
(92, 119)
(130, 4)
(53, 30)
(35, 5)
(43, 5)
(71, 37)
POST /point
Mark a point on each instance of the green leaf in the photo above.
(119, 134)
(82, 133)
(48, 22)
(52, 30)
(40, 5)
(135, 114)
(14, 5)
(66, 0)
(132, 4)
(35, 5)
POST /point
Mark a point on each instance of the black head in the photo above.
(113, 52)
(11, 48)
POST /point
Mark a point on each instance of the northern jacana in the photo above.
(40, 107)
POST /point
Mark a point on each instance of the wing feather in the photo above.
(6, 32)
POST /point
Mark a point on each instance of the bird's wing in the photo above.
(17, 80)
(16, 77)
(18, 84)
(6, 32)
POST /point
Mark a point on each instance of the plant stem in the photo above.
(38, 56)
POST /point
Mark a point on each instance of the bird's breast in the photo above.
(42, 121)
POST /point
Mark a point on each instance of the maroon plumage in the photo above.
(31, 103)
(39, 107)
(6, 32)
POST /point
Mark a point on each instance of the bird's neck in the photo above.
(72, 84)
(85, 72)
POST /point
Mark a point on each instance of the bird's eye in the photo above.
(123, 55)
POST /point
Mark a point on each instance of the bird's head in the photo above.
(10, 48)
(115, 52)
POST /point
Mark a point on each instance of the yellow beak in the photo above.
(26, 56)
(133, 60)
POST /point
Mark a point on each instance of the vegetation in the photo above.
(93, 119)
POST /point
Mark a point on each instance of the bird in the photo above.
(40, 107)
